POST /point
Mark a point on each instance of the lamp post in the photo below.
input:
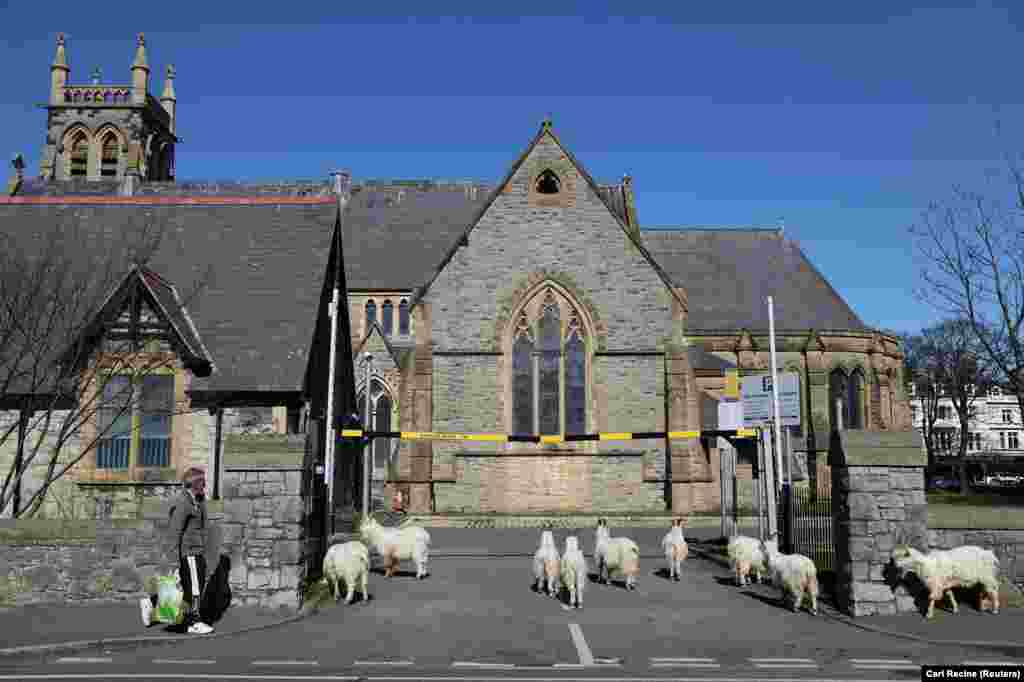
(368, 357)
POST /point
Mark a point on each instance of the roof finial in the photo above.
(96, 75)
(169, 83)
(546, 125)
(627, 179)
(140, 53)
(60, 59)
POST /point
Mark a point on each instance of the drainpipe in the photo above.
(218, 412)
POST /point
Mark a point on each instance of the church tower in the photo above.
(102, 131)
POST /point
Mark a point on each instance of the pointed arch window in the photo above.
(78, 155)
(855, 400)
(837, 399)
(371, 314)
(403, 318)
(387, 317)
(550, 367)
(548, 183)
(110, 151)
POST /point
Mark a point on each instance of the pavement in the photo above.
(467, 561)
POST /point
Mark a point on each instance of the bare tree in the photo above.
(944, 361)
(922, 376)
(973, 248)
(70, 375)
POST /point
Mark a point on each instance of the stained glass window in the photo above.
(522, 385)
(386, 312)
(548, 384)
(403, 318)
(575, 385)
(371, 314)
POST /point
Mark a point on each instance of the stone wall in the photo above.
(262, 527)
(878, 502)
(259, 525)
(1008, 546)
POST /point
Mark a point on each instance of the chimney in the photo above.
(341, 185)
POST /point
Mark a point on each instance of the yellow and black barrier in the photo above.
(533, 438)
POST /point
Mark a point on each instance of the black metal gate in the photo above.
(314, 493)
(808, 530)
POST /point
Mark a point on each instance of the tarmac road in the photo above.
(477, 618)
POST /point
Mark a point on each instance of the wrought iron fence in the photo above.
(811, 531)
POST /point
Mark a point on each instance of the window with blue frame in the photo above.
(134, 422)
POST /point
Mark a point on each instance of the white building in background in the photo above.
(995, 426)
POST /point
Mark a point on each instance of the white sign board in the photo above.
(757, 400)
(730, 415)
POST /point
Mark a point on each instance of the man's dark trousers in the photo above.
(193, 575)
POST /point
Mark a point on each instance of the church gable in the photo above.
(548, 217)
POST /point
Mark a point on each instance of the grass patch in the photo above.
(975, 499)
(974, 517)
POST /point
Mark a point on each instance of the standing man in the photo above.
(188, 526)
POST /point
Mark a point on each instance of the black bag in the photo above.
(217, 595)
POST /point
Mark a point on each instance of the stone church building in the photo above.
(539, 304)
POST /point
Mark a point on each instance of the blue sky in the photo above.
(842, 121)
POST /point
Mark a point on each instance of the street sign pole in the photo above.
(775, 392)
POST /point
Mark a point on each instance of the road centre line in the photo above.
(84, 659)
(681, 660)
(985, 664)
(686, 665)
(184, 661)
(886, 661)
(780, 660)
(476, 664)
(382, 662)
(586, 656)
(285, 663)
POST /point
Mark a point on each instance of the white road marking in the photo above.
(382, 662)
(285, 663)
(475, 664)
(987, 663)
(183, 661)
(84, 659)
(887, 665)
(885, 661)
(586, 657)
(780, 660)
(686, 665)
(682, 660)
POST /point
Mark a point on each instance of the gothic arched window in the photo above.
(855, 401)
(387, 317)
(549, 367)
(837, 399)
(548, 183)
(403, 318)
(371, 314)
(78, 154)
(110, 151)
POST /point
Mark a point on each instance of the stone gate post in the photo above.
(877, 501)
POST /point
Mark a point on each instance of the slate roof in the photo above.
(728, 273)
(395, 236)
(260, 269)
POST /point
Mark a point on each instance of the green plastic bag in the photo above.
(169, 601)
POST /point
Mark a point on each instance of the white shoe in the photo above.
(147, 611)
(200, 629)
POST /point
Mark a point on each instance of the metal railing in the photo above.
(810, 533)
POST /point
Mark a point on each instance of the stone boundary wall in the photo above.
(878, 501)
(259, 525)
(1008, 546)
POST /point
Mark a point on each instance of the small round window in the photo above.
(548, 183)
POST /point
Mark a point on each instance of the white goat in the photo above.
(397, 545)
(675, 548)
(618, 556)
(573, 571)
(746, 557)
(348, 563)
(943, 570)
(546, 564)
(795, 574)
